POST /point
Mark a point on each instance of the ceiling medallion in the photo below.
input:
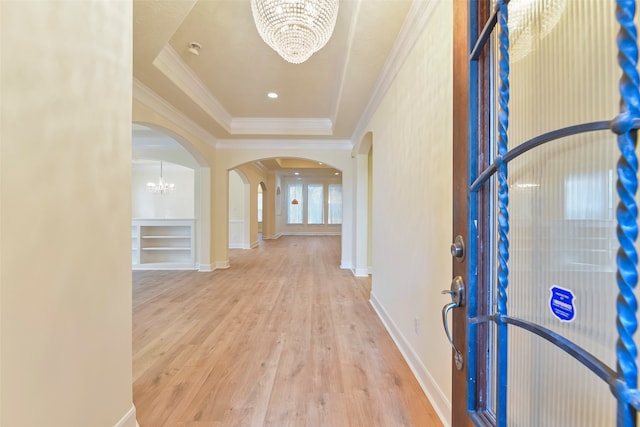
(296, 29)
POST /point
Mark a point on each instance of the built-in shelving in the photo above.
(163, 244)
(135, 244)
(166, 249)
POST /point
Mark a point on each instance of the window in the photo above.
(315, 202)
(294, 204)
(335, 203)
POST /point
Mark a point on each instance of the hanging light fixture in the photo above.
(162, 186)
(294, 202)
(296, 29)
(530, 21)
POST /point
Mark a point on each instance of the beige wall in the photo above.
(65, 208)
(411, 219)
(370, 210)
(273, 205)
(244, 195)
(254, 176)
(238, 211)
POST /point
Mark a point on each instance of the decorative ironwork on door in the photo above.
(562, 302)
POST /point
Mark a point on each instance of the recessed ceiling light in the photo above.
(296, 173)
(337, 173)
(320, 163)
(272, 95)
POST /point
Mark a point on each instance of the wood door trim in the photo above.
(461, 73)
(483, 211)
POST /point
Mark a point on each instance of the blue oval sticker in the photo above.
(561, 304)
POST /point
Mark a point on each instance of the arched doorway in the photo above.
(275, 183)
(263, 213)
(188, 202)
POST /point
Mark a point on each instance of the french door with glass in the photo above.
(545, 178)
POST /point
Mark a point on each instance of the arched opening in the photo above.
(274, 226)
(239, 209)
(370, 211)
(262, 211)
(363, 207)
(276, 182)
(170, 226)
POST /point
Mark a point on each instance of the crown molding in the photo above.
(175, 69)
(417, 18)
(155, 102)
(280, 126)
(337, 98)
(285, 144)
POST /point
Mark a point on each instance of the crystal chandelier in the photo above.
(296, 29)
(162, 186)
(530, 21)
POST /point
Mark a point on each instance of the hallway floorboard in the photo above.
(282, 338)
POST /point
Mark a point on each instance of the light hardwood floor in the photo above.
(282, 338)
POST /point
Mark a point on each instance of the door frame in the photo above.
(461, 130)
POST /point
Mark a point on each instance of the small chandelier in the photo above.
(296, 29)
(529, 22)
(162, 186)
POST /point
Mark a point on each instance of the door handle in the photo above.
(457, 300)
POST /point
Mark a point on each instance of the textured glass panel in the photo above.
(562, 235)
(562, 203)
(544, 392)
(569, 74)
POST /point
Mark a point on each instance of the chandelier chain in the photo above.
(162, 186)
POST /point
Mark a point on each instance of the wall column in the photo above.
(65, 214)
(220, 217)
(361, 214)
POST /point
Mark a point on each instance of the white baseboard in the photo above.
(240, 246)
(129, 419)
(360, 272)
(205, 268)
(274, 237)
(438, 399)
(164, 266)
(346, 265)
(251, 245)
(311, 233)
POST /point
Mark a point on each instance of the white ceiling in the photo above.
(223, 90)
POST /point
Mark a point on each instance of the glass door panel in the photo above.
(562, 200)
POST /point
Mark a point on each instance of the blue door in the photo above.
(548, 258)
